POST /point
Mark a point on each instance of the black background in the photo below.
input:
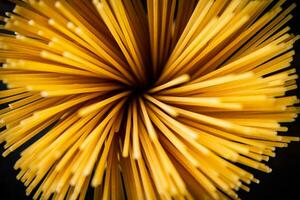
(282, 183)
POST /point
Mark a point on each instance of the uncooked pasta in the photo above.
(156, 99)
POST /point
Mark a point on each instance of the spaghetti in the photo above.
(155, 102)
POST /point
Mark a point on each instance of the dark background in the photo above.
(282, 183)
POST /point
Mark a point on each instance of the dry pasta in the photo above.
(145, 100)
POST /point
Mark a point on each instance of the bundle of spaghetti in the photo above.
(145, 100)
